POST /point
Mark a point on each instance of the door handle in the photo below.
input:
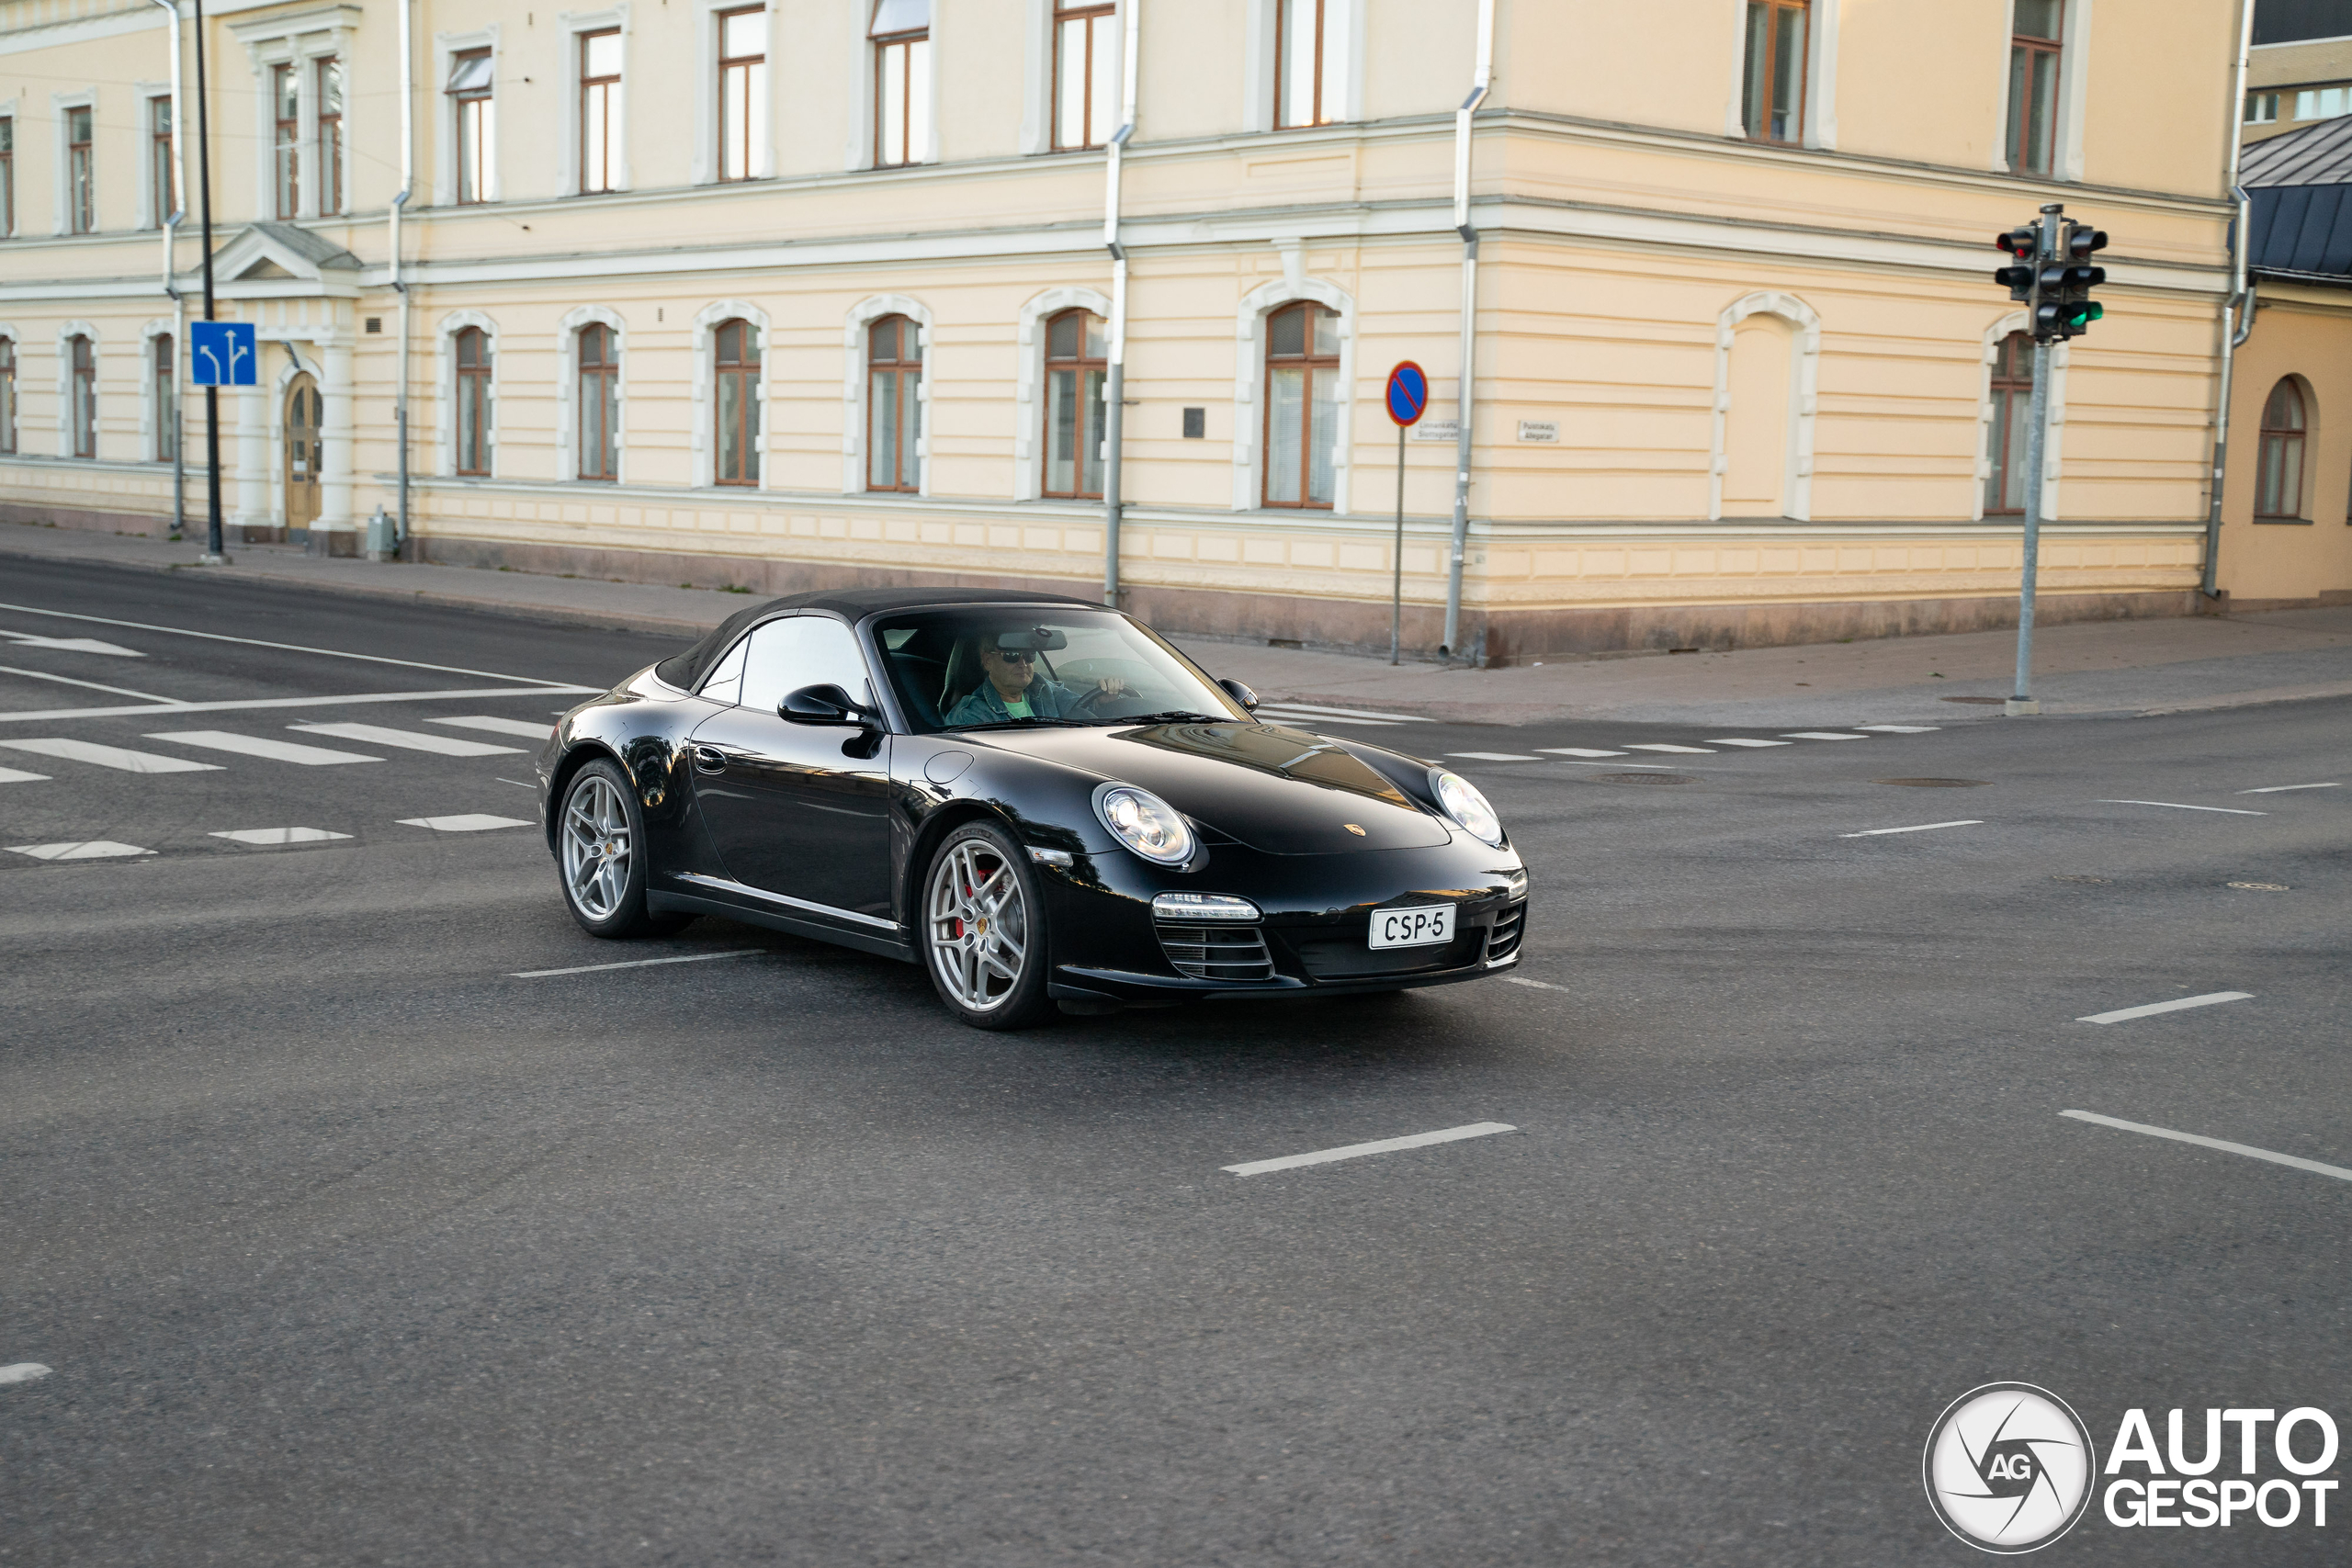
(709, 759)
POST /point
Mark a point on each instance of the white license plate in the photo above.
(1420, 925)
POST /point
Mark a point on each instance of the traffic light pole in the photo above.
(2049, 235)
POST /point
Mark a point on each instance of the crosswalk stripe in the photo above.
(1284, 716)
(409, 740)
(529, 728)
(1577, 752)
(111, 757)
(91, 848)
(261, 746)
(1349, 713)
(1495, 756)
(1822, 735)
(16, 775)
(277, 835)
(1901, 728)
(1662, 746)
(464, 822)
(1720, 743)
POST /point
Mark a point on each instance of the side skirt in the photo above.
(775, 920)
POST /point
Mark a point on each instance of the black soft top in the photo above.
(685, 670)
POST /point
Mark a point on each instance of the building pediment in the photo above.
(282, 259)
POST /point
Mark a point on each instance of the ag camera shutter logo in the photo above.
(2009, 1468)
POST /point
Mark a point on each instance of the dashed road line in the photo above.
(262, 746)
(530, 729)
(1347, 713)
(1576, 752)
(2178, 1004)
(1663, 746)
(464, 822)
(1748, 743)
(120, 710)
(266, 836)
(1495, 756)
(1821, 735)
(18, 775)
(1921, 828)
(2281, 789)
(114, 757)
(23, 1371)
(89, 849)
(1901, 728)
(86, 686)
(1538, 985)
(409, 740)
(2273, 1155)
(1379, 1146)
(632, 964)
(2177, 806)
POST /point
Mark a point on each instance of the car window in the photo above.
(725, 683)
(1080, 666)
(804, 650)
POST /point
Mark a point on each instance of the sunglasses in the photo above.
(1012, 657)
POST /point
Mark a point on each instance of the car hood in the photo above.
(1277, 790)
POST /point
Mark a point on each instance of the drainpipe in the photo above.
(399, 200)
(2237, 312)
(1115, 383)
(171, 227)
(1468, 357)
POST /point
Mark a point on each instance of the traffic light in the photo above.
(2018, 279)
(2077, 309)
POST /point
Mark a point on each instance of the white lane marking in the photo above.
(92, 848)
(1922, 828)
(1732, 742)
(2177, 806)
(279, 835)
(1350, 713)
(1576, 752)
(296, 648)
(2281, 789)
(529, 728)
(1901, 728)
(111, 757)
(1821, 735)
(87, 685)
(519, 783)
(2223, 1145)
(1280, 716)
(23, 1371)
(632, 964)
(2151, 1009)
(70, 643)
(1662, 746)
(1539, 985)
(18, 775)
(1495, 756)
(262, 746)
(1643, 767)
(1380, 1146)
(412, 740)
(121, 710)
(464, 822)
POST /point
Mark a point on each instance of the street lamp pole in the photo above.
(214, 554)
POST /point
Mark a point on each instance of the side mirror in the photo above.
(823, 705)
(1239, 694)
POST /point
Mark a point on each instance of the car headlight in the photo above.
(1462, 802)
(1145, 823)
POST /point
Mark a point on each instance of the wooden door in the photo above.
(305, 451)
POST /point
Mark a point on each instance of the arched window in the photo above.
(83, 356)
(167, 402)
(1077, 360)
(2004, 441)
(1302, 404)
(2278, 478)
(893, 404)
(600, 403)
(7, 394)
(473, 400)
(737, 399)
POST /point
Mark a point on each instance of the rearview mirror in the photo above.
(1239, 694)
(823, 705)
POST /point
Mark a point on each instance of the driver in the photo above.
(1012, 689)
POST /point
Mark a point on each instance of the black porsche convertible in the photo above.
(1038, 800)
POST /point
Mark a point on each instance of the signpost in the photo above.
(1408, 398)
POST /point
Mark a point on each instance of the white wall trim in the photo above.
(708, 321)
(66, 332)
(446, 47)
(864, 313)
(60, 184)
(1028, 465)
(1250, 369)
(153, 412)
(566, 394)
(571, 25)
(444, 379)
(153, 204)
(860, 152)
(1804, 380)
(704, 170)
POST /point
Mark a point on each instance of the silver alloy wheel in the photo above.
(597, 853)
(976, 925)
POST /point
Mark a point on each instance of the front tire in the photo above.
(600, 855)
(984, 930)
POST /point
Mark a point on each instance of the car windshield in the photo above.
(992, 666)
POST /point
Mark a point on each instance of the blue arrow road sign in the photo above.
(220, 353)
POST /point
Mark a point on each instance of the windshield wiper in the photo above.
(1173, 715)
(1024, 724)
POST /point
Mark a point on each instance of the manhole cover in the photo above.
(1972, 699)
(2260, 886)
(2098, 881)
(1646, 778)
(1935, 783)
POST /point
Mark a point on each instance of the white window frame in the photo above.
(860, 155)
(1805, 398)
(1249, 387)
(567, 395)
(445, 377)
(446, 47)
(2073, 91)
(1817, 127)
(1028, 480)
(571, 25)
(706, 170)
(2053, 443)
(862, 315)
(155, 206)
(706, 372)
(1258, 65)
(301, 40)
(60, 180)
(66, 332)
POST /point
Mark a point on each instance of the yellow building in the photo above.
(828, 290)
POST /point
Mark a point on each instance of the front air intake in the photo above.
(1216, 952)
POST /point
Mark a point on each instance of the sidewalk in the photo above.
(2114, 667)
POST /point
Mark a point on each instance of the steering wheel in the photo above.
(1086, 704)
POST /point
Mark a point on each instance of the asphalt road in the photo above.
(346, 1245)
